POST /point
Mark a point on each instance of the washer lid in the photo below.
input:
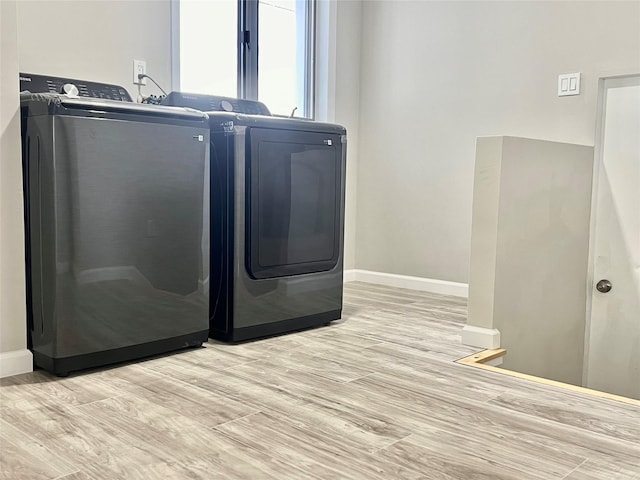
(102, 105)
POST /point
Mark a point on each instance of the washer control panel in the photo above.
(214, 103)
(74, 88)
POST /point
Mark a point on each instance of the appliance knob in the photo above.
(226, 106)
(70, 89)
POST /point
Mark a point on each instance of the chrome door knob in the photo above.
(604, 286)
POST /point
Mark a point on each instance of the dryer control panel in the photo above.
(214, 103)
(79, 88)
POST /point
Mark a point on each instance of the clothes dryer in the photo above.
(277, 219)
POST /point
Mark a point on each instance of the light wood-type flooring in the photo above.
(376, 395)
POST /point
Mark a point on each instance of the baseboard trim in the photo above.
(15, 363)
(442, 287)
(349, 276)
(488, 338)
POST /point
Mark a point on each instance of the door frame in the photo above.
(604, 82)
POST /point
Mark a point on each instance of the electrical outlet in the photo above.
(139, 68)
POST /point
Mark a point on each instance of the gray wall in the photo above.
(338, 28)
(96, 40)
(13, 331)
(92, 40)
(530, 256)
(434, 76)
(484, 238)
(347, 105)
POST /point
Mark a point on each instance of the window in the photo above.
(256, 49)
(209, 47)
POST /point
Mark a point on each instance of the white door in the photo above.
(612, 358)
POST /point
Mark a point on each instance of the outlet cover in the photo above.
(139, 68)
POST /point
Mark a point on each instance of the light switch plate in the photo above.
(569, 84)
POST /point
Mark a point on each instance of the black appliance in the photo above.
(211, 103)
(117, 224)
(277, 219)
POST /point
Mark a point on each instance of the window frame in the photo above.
(248, 69)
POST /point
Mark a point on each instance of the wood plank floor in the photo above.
(376, 395)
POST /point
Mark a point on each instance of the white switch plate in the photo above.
(139, 68)
(569, 84)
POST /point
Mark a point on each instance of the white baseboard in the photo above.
(480, 337)
(349, 276)
(15, 363)
(442, 287)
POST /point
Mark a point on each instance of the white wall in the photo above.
(92, 40)
(347, 101)
(14, 358)
(338, 93)
(96, 40)
(529, 252)
(434, 76)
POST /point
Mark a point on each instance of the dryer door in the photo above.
(294, 203)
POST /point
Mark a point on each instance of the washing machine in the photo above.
(277, 219)
(117, 224)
